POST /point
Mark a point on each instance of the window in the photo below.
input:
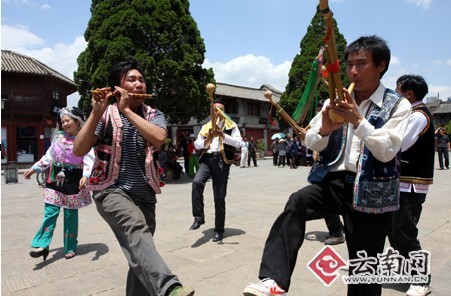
(56, 93)
(253, 109)
(231, 106)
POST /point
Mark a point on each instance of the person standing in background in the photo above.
(192, 155)
(185, 154)
(275, 151)
(252, 152)
(244, 152)
(442, 147)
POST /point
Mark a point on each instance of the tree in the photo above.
(163, 37)
(300, 68)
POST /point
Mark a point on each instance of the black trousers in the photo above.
(252, 155)
(334, 225)
(404, 232)
(333, 196)
(209, 167)
(275, 158)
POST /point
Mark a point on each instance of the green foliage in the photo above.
(300, 68)
(448, 128)
(163, 37)
(260, 146)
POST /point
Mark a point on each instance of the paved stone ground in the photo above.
(256, 195)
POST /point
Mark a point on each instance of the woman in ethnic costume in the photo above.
(65, 186)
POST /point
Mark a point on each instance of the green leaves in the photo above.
(301, 66)
(163, 37)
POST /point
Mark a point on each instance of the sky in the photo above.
(253, 42)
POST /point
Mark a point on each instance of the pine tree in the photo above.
(300, 68)
(163, 37)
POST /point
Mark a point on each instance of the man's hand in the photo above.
(348, 109)
(123, 99)
(99, 101)
(327, 125)
(301, 134)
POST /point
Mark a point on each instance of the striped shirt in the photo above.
(132, 174)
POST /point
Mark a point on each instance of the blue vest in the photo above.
(376, 187)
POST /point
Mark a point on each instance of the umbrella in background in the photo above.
(278, 136)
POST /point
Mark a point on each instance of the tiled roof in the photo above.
(444, 107)
(14, 62)
(235, 91)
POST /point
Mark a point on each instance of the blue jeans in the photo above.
(443, 154)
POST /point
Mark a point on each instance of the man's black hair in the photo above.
(415, 83)
(119, 70)
(375, 45)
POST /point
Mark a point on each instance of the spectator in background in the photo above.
(282, 152)
(275, 151)
(442, 147)
(172, 162)
(185, 153)
(252, 152)
(244, 152)
(192, 155)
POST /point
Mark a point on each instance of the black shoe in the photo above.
(334, 240)
(196, 225)
(218, 237)
(38, 253)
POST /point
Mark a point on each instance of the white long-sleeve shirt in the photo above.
(384, 143)
(234, 139)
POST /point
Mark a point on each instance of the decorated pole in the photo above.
(284, 115)
(211, 89)
(335, 86)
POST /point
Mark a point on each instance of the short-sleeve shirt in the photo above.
(443, 141)
(132, 174)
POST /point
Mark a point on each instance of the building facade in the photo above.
(32, 95)
(249, 109)
(441, 111)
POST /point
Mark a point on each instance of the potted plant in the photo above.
(260, 147)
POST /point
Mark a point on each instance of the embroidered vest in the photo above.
(108, 152)
(417, 162)
(376, 187)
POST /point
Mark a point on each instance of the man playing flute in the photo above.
(356, 176)
(124, 176)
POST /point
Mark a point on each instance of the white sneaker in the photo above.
(266, 287)
(415, 290)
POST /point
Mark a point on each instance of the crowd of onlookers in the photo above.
(286, 151)
(291, 152)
